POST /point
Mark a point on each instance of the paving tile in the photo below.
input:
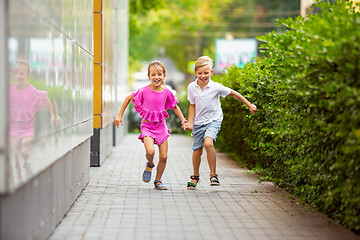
(116, 204)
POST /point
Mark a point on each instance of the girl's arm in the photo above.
(190, 124)
(239, 97)
(119, 118)
(179, 113)
(58, 120)
(50, 107)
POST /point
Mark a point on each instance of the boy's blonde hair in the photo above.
(158, 66)
(203, 61)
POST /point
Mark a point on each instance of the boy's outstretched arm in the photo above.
(179, 113)
(119, 118)
(239, 97)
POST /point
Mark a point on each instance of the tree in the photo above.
(188, 29)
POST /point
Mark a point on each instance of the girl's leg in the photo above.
(15, 146)
(150, 151)
(163, 150)
(15, 149)
(211, 154)
(26, 144)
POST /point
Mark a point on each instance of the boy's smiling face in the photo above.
(203, 74)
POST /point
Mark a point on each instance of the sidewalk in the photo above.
(116, 204)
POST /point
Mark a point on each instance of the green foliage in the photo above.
(306, 134)
(188, 29)
(142, 7)
(173, 122)
(53, 92)
(144, 28)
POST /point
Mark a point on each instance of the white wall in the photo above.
(3, 97)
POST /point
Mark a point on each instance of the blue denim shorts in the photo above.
(200, 132)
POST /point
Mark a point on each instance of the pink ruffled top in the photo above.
(25, 103)
(152, 105)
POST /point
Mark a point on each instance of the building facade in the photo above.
(50, 102)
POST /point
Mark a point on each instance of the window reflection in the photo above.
(50, 84)
(25, 101)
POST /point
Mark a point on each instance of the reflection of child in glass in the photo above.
(151, 102)
(205, 116)
(25, 101)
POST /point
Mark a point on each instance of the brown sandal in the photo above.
(214, 181)
(192, 186)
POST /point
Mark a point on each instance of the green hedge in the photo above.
(306, 134)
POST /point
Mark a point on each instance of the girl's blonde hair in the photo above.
(25, 63)
(158, 66)
(203, 61)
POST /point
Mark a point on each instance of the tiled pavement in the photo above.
(116, 204)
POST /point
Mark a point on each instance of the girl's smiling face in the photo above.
(156, 76)
(21, 73)
(203, 74)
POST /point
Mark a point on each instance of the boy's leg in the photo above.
(196, 159)
(211, 154)
(210, 138)
(163, 150)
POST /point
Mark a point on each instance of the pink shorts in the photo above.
(21, 129)
(157, 130)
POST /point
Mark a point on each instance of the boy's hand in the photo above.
(187, 126)
(252, 108)
(118, 121)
